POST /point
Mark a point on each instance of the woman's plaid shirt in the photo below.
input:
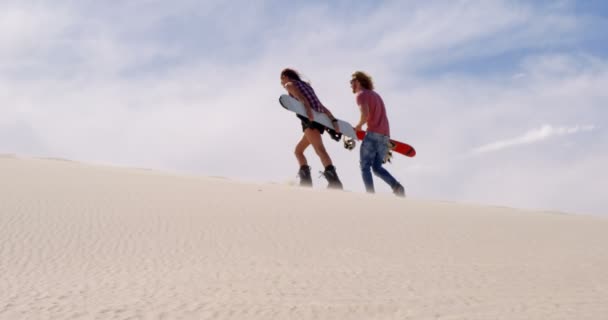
(309, 93)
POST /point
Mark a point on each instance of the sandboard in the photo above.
(296, 106)
(346, 128)
(396, 146)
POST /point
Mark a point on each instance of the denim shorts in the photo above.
(311, 124)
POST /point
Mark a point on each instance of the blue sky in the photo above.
(504, 100)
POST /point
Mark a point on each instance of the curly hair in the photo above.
(364, 79)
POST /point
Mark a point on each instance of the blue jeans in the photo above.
(373, 149)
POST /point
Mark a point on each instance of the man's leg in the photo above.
(367, 155)
(379, 171)
(383, 173)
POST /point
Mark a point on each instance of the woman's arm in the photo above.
(333, 119)
(294, 91)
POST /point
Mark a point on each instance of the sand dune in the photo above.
(79, 241)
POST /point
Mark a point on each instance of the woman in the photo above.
(302, 91)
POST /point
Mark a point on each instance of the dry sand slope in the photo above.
(88, 242)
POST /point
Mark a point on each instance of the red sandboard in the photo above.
(399, 147)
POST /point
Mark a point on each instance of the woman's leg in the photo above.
(314, 138)
(299, 151)
(304, 172)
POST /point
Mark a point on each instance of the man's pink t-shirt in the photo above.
(377, 121)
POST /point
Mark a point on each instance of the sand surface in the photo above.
(80, 241)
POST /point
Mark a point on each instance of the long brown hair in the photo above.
(292, 74)
(364, 79)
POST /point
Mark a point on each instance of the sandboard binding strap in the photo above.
(349, 143)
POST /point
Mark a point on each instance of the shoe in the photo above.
(399, 191)
(332, 177)
(305, 177)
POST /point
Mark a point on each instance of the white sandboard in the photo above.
(296, 106)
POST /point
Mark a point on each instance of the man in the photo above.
(375, 143)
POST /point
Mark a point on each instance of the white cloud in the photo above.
(533, 136)
(27, 29)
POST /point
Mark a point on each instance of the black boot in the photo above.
(332, 177)
(305, 178)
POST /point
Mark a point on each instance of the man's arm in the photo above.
(363, 120)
